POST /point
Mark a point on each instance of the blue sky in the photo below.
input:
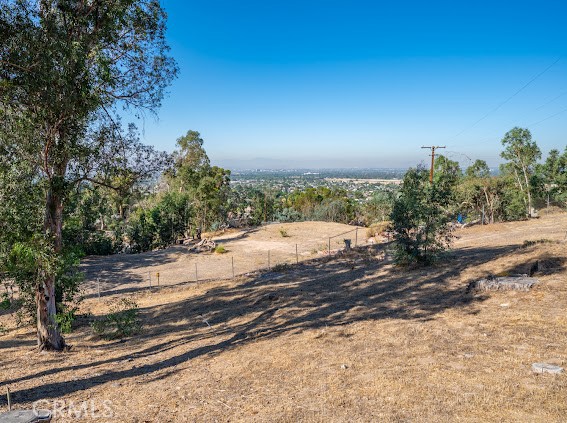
(362, 84)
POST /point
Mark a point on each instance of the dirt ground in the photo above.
(246, 251)
(352, 338)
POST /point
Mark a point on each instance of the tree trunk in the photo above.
(48, 334)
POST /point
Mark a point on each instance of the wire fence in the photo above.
(129, 274)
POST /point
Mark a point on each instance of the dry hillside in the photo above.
(353, 338)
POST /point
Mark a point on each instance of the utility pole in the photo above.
(433, 147)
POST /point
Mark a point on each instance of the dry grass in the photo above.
(350, 339)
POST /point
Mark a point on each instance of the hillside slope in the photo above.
(353, 338)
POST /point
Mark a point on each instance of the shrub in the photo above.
(121, 322)
(377, 228)
(219, 249)
(5, 301)
(283, 233)
(281, 267)
(65, 319)
(420, 219)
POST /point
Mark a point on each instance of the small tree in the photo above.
(420, 218)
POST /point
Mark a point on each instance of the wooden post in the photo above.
(296, 255)
(9, 398)
(150, 279)
(157, 275)
(356, 237)
(329, 246)
(196, 274)
(98, 286)
(233, 266)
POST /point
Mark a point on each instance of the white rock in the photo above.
(546, 368)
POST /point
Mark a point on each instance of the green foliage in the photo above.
(283, 233)
(162, 223)
(379, 207)
(420, 219)
(522, 154)
(121, 322)
(28, 262)
(219, 249)
(554, 177)
(5, 301)
(65, 318)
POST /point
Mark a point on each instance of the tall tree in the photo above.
(65, 67)
(479, 191)
(554, 172)
(522, 154)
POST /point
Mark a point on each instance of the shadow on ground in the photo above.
(113, 271)
(318, 294)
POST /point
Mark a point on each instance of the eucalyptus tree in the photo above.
(522, 154)
(67, 67)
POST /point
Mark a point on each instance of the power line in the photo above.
(549, 117)
(508, 99)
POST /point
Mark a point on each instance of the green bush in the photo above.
(121, 322)
(5, 302)
(420, 219)
(219, 249)
(65, 319)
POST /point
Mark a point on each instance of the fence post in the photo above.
(98, 286)
(150, 279)
(296, 255)
(196, 274)
(356, 237)
(329, 246)
(232, 266)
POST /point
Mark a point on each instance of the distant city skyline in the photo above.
(362, 84)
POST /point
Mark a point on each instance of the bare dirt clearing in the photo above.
(247, 250)
(350, 339)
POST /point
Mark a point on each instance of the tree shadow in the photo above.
(114, 271)
(241, 235)
(315, 295)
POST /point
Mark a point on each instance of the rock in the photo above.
(344, 366)
(504, 283)
(546, 368)
(26, 416)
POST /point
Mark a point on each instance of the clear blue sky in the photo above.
(362, 83)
